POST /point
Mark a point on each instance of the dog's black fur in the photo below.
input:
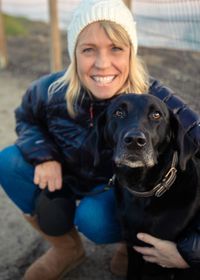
(144, 136)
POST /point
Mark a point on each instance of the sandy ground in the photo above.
(11, 91)
(19, 244)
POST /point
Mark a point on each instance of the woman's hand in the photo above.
(162, 252)
(48, 174)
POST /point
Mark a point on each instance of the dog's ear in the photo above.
(187, 148)
(183, 142)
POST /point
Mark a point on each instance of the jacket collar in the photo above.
(85, 102)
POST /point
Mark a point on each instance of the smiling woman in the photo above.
(57, 129)
(105, 60)
(102, 67)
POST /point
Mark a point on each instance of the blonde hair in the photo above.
(137, 81)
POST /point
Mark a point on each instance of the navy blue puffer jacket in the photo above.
(46, 132)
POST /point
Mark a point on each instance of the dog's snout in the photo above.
(136, 138)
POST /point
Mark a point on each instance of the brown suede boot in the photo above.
(65, 254)
(119, 262)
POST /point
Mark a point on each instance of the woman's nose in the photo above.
(102, 61)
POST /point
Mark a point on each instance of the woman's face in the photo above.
(102, 67)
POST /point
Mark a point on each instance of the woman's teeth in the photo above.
(103, 80)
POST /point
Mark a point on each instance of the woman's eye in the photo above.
(87, 50)
(156, 115)
(119, 114)
(116, 49)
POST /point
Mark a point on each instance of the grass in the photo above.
(16, 26)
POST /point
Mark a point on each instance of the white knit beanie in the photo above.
(90, 11)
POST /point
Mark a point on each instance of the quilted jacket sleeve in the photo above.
(189, 244)
(33, 138)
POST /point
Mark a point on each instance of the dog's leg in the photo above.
(135, 264)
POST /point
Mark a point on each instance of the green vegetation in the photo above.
(16, 26)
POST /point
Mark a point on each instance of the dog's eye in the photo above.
(119, 113)
(156, 115)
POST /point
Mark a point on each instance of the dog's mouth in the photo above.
(128, 163)
(135, 161)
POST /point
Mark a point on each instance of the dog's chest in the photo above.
(151, 215)
(137, 216)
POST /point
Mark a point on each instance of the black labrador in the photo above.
(157, 179)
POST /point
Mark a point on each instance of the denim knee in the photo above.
(8, 162)
(96, 217)
(16, 178)
(7, 157)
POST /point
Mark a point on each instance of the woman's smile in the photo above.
(103, 80)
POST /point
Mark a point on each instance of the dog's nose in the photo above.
(136, 138)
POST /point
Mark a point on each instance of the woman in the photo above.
(53, 153)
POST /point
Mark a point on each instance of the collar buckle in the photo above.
(167, 181)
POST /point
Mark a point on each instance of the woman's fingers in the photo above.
(162, 252)
(51, 184)
(58, 182)
(150, 259)
(147, 238)
(145, 250)
(36, 178)
(43, 184)
(48, 174)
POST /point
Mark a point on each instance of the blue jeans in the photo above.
(96, 216)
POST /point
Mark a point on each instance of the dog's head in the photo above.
(138, 127)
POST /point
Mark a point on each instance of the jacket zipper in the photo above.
(91, 115)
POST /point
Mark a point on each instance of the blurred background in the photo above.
(172, 24)
(33, 42)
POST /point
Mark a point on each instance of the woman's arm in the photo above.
(188, 244)
(34, 140)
